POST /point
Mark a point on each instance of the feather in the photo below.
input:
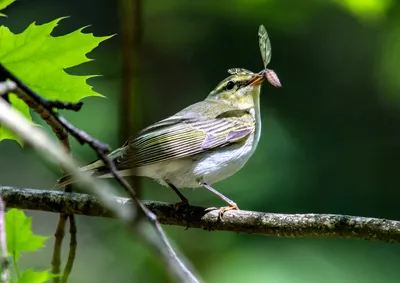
(182, 139)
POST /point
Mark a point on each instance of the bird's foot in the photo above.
(181, 203)
(222, 210)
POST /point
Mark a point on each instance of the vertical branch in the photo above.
(62, 136)
(62, 220)
(72, 249)
(5, 274)
(59, 236)
(131, 31)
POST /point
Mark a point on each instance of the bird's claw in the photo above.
(180, 204)
(223, 209)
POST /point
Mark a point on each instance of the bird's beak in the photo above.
(256, 80)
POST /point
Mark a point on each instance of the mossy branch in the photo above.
(252, 222)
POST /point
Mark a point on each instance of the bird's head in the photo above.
(240, 90)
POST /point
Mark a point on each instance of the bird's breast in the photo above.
(222, 163)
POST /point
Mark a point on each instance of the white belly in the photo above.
(223, 163)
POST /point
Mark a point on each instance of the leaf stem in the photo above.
(16, 266)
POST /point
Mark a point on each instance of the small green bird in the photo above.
(204, 143)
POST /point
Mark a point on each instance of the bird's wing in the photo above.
(177, 137)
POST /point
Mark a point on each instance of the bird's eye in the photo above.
(230, 85)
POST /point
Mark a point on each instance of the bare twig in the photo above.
(59, 236)
(241, 221)
(46, 108)
(48, 104)
(5, 273)
(72, 249)
(39, 141)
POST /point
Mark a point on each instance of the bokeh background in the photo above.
(330, 141)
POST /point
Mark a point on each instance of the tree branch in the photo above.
(283, 225)
(58, 238)
(72, 249)
(48, 150)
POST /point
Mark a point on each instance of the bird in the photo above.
(200, 145)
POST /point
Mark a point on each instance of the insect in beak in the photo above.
(268, 74)
(272, 77)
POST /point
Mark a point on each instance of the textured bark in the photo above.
(284, 225)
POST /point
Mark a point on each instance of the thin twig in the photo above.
(33, 99)
(131, 216)
(48, 104)
(5, 273)
(240, 221)
(72, 249)
(58, 236)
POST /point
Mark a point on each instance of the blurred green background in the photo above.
(330, 141)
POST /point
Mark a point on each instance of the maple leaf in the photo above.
(4, 4)
(40, 60)
(31, 276)
(19, 234)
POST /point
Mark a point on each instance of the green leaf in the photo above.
(4, 4)
(367, 10)
(30, 276)
(24, 109)
(40, 60)
(19, 234)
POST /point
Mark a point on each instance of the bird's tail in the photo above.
(92, 168)
(64, 180)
